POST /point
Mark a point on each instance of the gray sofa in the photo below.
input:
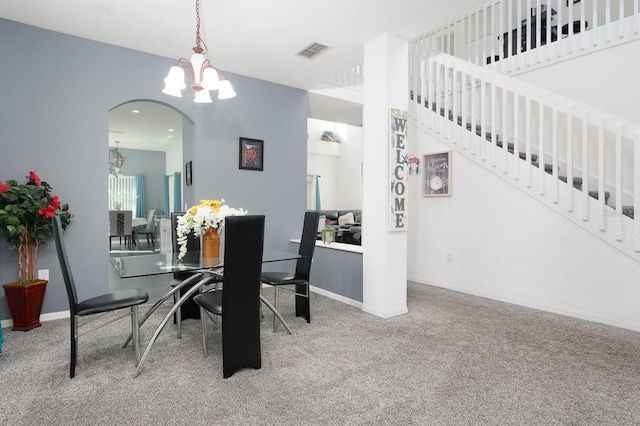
(347, 233)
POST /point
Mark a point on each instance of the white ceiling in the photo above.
(255, 38)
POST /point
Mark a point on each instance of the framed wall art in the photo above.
(251, 154)
(437, 174)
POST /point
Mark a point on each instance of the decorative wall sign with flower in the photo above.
(26, 210)
(209, 214)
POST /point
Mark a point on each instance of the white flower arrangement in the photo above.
(209, 214)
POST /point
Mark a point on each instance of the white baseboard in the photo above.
(44, 317)
(583, 315)
(335, 296)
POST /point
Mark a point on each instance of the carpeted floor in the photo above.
(454, 359)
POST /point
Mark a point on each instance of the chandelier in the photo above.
(204, 76)
(116, 160)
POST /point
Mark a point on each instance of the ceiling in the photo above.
(255, 38)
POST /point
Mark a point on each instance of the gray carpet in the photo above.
(454, 359)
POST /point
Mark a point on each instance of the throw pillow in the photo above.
(345, 219)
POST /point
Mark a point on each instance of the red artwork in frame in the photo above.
(251, 154)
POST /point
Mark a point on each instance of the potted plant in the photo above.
(26, 210)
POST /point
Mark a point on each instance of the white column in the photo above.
(385, 253)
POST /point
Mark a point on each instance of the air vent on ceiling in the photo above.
(313, 50)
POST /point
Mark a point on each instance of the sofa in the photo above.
(348, 230)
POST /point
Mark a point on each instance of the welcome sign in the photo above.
(398, 170)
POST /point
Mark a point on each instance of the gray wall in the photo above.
(55, 94)
(151, 165)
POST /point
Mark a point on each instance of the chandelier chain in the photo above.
(198, 38)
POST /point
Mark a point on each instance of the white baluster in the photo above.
(585, 166)
(554, 149)
(570, 157)
(619, 181)
(601, 177)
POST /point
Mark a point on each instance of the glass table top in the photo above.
(168, 263)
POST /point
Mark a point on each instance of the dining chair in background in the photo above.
(148, 231)
(120, 225)
(116, 300)
(299, 279)
(238, 301)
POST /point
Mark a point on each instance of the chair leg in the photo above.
(203, 321)
(302, 301)
(178, 317)
(135, 332)
(275, 305)
(74, 346)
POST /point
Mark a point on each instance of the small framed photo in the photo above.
(188, 173)
(251, 154)
(437, 174)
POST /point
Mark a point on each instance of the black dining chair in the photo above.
(238, 301)
(299, 279)
(116, 300)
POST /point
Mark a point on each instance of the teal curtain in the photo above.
(318, 204)
(141, 210)
(165, 195)
(177, 191)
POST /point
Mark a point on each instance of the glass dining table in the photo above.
(204, 271)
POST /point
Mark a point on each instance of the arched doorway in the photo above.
(147, 140)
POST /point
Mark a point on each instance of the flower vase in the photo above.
(211, 244)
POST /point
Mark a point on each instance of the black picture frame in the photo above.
(188, 173)
(437, 169)
(251, 155)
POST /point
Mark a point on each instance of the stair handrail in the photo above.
(447, 87)
(494, 34)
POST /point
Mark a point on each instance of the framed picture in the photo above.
(188, 173)
(251, 154)
(437, 174)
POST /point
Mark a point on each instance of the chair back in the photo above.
(307, 244)
(150, 222)
(64, 265)
(243, 247)
(120, 222)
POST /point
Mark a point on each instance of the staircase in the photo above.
(578, 160)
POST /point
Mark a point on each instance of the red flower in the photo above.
(55, 202)
(3, 187)
(48, 212)
(34, 178)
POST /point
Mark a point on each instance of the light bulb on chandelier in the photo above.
(204, 76)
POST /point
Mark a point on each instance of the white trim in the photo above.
(43, 317)
(385, 314)
(335, 296)
(539, 306)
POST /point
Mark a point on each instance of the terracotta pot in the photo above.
(25, 303)
(211, 244)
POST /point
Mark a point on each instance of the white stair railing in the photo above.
(496, 33)
(582, 161)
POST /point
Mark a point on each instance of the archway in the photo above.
(147, 141)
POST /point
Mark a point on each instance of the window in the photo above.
(122, 193)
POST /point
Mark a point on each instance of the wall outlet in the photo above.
(449, 256)
(43, 274)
